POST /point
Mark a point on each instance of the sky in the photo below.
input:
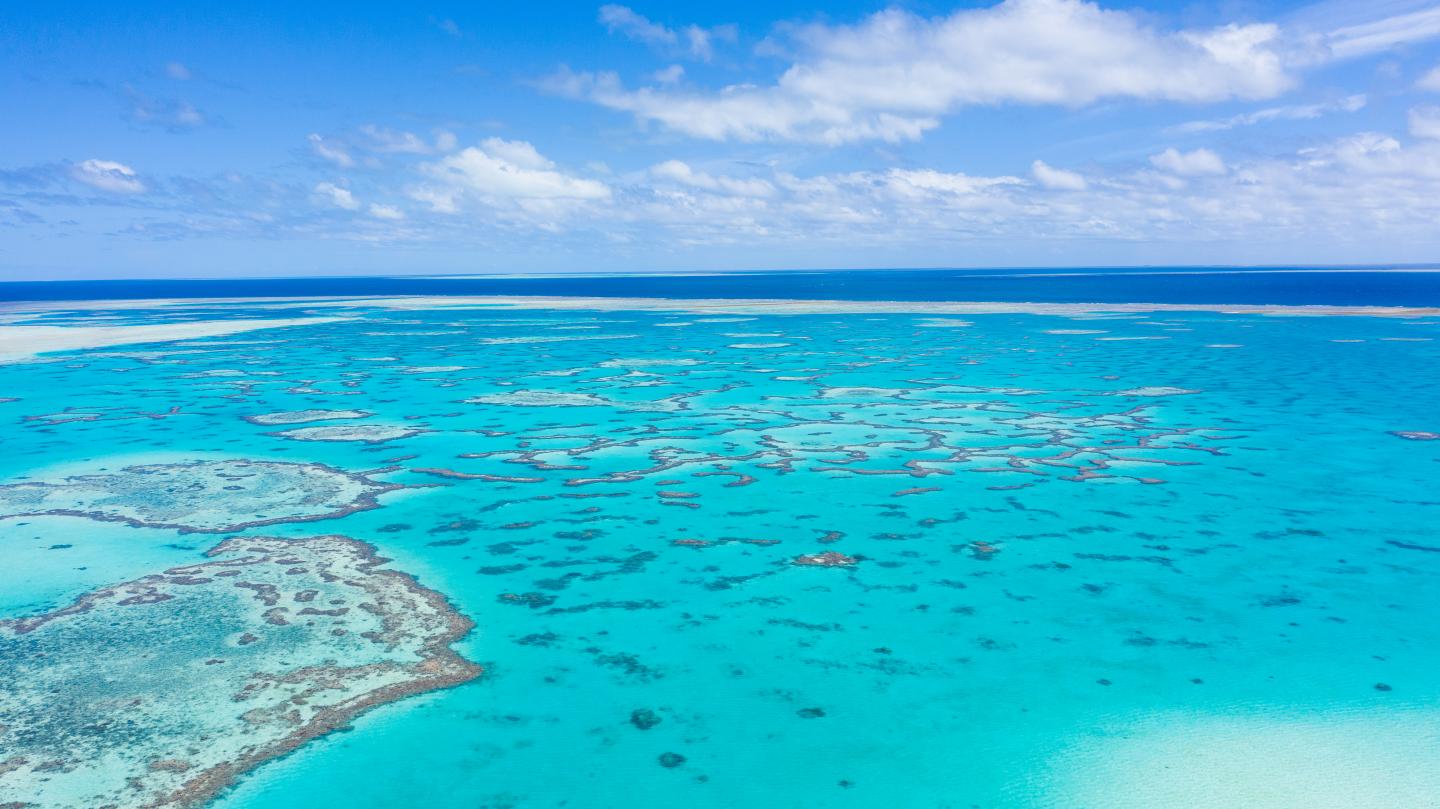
(146, 139)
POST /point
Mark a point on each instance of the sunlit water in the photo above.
(1124, 561)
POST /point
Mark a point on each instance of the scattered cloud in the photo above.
(1295, 112)
(174, 115)
(892, 76)
(1430, 81)
(332, 194)
(679, 172)
(108, 175)
(335, 154)
(178, 72)
(1360, 188)
(691, 40)
(391, 141)
(1056, 179)
(504, 174)
(449, 26)
(1188, 164)
(1425, 121)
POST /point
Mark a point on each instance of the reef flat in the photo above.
(734, 556)
(212, 496)
(160, 692)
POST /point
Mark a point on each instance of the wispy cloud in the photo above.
(1384, 33)
(1057, 179)
(329, 151)
(693, 40)
(332, 194)
(1425, 121)
(1294, 112)
(1429, 82)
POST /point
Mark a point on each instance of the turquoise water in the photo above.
(1139, 560)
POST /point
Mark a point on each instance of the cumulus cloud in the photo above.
(1365, 189)
(1056, 179)
(1425, 121)
(1367, 184)
(697, 42)
(108, 175)
(332, 194)
(504, 174)
(1189, 164)
(335, 154)
(892, 76)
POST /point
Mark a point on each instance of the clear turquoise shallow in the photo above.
(1260, 625)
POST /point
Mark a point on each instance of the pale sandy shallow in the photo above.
(23, 342)
(1359, 759)
(746, 306)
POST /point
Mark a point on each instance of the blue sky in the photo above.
(146, 139)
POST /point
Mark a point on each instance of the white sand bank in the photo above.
(18, 343)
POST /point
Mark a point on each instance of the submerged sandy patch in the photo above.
(18, 343)
(1360, 759)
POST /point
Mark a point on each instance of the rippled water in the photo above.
(1106, 561)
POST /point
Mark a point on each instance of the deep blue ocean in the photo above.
(1202, 285)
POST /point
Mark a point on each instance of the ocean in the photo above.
(660, 554)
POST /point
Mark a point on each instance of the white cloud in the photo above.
(391, 141)
(693, 40)
(1189, 164)
(386, 212)
(177, 71)
(1430, 81)
(1056, 179)
(912, 183)
(1425, 121)
(334, 154)
(508, 175)
(680, 172)
(107, 175)
(1296, 112)
(1350, 188)
(893, 75)
(668, 75)
(624, 20)
(1375, 36)
(332, 194)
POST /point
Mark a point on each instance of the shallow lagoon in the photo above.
(1169, 559)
